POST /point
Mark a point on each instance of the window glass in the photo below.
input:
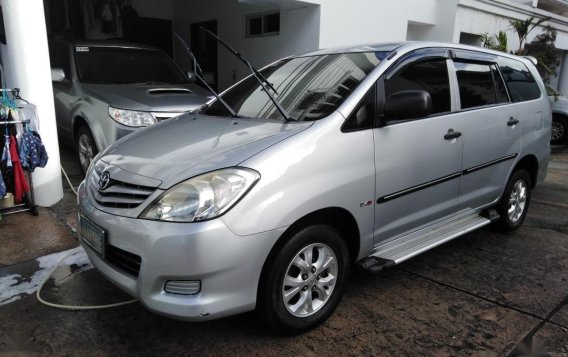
(502, 96)
(255, 26)
(271, 23)
(519, 80)
(121, 65)
(429, 76)
(363, 117)
(476, 85)
(263, 25)
(308, 88)
(59, 57)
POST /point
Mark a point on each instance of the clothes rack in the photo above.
(29, 200)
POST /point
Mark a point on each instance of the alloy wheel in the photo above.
(309, 280)
(557, 130)
(517, 201)
(86, 152)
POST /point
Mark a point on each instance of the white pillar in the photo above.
(26, 39)
(563, 75)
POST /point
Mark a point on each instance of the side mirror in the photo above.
(57, 75)
(408, 104)
(191, 76)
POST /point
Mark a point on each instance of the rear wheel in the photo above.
(559, 130)
(85, 147)
(514, 204)
(302, 285)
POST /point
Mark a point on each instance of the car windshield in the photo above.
(122, 65)
(309, 88)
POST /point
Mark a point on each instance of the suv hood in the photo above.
(189, 145)
(559, 104)
(151, 98)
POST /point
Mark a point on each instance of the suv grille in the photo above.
(123, 260)
(118, 194)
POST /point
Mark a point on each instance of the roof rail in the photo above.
(532, 59)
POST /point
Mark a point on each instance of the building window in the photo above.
(263, 24)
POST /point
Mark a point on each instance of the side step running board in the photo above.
(399, 250)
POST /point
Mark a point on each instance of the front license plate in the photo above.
(93, 235)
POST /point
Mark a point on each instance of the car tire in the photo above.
(86, 148)
(559, 130)
(514, 204)
(303, 282)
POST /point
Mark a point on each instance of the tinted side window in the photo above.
(476, 85)
(502, 96)
(519, 80)
(363, 117)
(430, 76)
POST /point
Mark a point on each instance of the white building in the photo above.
(311, 24)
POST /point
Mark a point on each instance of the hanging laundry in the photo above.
(21, 185)
(32, 151)
(6, 152)
(28, 111)
(2, 186)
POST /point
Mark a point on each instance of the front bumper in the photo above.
(228, 265)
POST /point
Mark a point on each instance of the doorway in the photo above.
(204, 48)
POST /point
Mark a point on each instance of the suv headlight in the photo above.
(202, 197)
(131, 117)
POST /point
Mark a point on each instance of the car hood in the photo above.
(189, 145)
(150, 97)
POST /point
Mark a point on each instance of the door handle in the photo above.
(512, 121)
(451, 134)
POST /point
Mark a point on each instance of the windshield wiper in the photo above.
(259, 77)
(197, 67)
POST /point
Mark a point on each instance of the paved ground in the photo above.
(483, 294)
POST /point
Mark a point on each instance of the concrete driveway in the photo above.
(484, 294)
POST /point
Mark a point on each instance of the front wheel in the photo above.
(514, 204)
(86, 148)
(303, 283)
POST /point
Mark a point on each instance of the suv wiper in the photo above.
(197, 67)
(259, 77)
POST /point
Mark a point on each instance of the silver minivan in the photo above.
(374, 154)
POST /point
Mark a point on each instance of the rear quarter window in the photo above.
(480, 85)
(520, 81)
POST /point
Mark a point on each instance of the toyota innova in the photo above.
(265, 198)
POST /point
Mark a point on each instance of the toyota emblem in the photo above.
(104, 180)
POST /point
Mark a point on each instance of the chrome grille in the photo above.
(118, 194)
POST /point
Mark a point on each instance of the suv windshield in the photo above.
(309, 88)
(122, 65)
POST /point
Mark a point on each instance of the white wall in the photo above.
(373, 21)
(479, 17)
(299, 33)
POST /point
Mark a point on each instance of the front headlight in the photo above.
(131, 117)
(203, 197)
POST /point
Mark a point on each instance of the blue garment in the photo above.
(34, 153)
(24, 151)
(2, 186)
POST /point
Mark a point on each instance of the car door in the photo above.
(63, 92)
(491, 130)
(418, 161)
